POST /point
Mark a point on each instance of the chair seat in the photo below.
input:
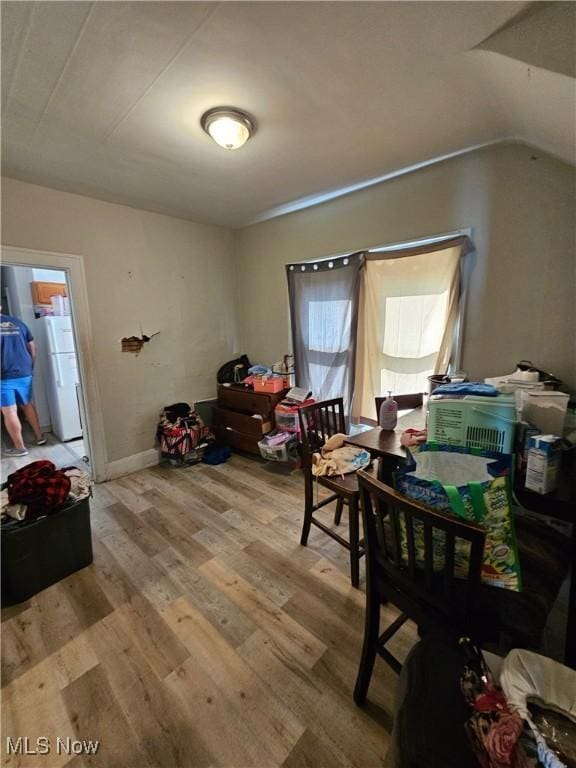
(346, 485)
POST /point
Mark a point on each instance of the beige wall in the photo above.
(144, 271)
(522, 300)
(167, 274)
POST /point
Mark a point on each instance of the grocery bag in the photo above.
(472, 484)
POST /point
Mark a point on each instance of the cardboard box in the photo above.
(543, 463)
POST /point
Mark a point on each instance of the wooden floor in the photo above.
(202, 635)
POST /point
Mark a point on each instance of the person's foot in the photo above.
(41, 440)
(15, 452)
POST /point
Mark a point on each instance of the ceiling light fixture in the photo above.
(229, 127)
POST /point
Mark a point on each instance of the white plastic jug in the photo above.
(388, 416)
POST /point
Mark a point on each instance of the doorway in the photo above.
(40, 298)
(47, 291)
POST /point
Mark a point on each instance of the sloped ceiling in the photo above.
(531, 67)
(104, 98)
(542, 35)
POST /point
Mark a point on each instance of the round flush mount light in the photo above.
(229, 127)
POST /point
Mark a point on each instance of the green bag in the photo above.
(474, 485)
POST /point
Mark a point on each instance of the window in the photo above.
(376, 321)
(409, 313)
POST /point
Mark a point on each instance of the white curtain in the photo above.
(407, 319)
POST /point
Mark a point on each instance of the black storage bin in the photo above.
(38, 554)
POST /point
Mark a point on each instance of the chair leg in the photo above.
(338, 513)
(308, 510)
(354, 542)
(369, 647)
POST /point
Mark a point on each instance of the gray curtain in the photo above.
(324, 299)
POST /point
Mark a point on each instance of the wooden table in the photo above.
(385, 445)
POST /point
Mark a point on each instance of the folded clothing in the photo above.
(466, 388)
(336, 458)
(277, 438)
(259, 370)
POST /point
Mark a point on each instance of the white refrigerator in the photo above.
(62, 377)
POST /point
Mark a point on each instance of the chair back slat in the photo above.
(422, 576)
(318, 422)
(429, 555)
(410, 546)
(396, 547)
(474, 573)
(449, 551)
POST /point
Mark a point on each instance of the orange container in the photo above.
(268, 384)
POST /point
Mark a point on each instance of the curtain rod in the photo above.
(393, 247)
(417, 241)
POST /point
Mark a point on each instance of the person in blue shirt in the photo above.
(18, 352)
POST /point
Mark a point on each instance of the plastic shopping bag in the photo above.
(472, 484)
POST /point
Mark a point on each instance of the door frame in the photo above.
(73, 266)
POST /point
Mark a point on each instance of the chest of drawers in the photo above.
(243, 416)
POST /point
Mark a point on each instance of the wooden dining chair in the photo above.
(420, 582)
(318, 422)
(405, 402)
(433, 597)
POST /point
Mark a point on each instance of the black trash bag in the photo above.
(234, 371)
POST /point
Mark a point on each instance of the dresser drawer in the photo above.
(242, 422)
(238, 440)
(247, 401)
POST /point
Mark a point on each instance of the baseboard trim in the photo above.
(132, 463)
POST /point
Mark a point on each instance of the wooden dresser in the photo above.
(243, 416)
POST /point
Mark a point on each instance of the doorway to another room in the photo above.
(40, 298)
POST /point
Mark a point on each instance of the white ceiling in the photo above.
(104, 98)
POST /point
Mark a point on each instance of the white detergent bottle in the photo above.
(388, 417)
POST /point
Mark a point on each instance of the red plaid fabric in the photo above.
(40, 486)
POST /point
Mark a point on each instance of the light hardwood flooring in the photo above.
(202, 635)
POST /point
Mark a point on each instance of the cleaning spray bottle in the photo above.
(388, 417)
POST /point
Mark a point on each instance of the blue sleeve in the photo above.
(27, 335)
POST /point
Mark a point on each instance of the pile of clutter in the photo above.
(184, 438)
(39, 489)
(279, 446)
(261, 378)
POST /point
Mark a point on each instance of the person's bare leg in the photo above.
(32, 418)
(13, 426)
